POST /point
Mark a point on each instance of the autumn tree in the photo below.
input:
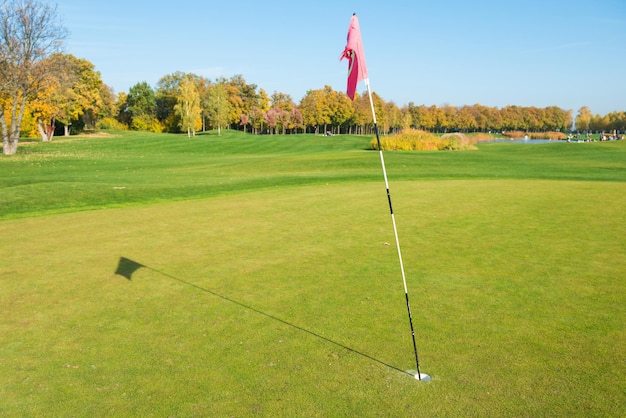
(283, 118)
(295, 119)
(583, 119)
(420, 117)
(339, 108)
(122, 115)
(282, 101)
(188, 106)
(203, 85)
(42, 110)
(218, 106)
(363, 117)
(393, 117)
(315, 109)
(617, 121)
(29, 33)
(242, 96)
(256, 118)
(282, 105)
(108, 109)
(261, 104)
(75, 88)
(245, 120)
(270, 118)
(465, 119)
(166, 97)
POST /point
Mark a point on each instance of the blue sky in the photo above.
(496, 53)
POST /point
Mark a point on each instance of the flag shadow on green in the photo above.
(126, 267)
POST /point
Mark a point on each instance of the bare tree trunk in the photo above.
(9, 147)
(46, 131)
(11, 134)
(42, 131)
(5, 133)
(9, 144)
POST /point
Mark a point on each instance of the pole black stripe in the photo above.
(417, 362)
(406, 293)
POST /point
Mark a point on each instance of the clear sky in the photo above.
(566, 53)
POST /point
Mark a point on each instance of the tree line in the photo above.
(44, 91)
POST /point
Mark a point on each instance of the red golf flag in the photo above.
(357, 70)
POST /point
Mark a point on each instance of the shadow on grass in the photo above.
(126, 267)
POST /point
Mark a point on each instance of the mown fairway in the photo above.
(268, 287)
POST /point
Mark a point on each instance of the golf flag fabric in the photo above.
(357, 70)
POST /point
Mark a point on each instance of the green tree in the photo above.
(166, 98)
(141, 107)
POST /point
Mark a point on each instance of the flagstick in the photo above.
(418, 375)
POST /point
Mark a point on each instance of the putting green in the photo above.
(289, 302)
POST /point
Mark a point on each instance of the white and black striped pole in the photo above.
(418, 375)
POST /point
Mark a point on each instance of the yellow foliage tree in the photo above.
(28, 34)
(188, 106)
(70, 88)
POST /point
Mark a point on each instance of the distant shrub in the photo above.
(416, 140)
(147, 123)
(548, 135)
(484, 137)
(111, 124)
(535, 135)
(514, 134)
(458, 142)
(156, 126)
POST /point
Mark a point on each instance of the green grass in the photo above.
(269, 288)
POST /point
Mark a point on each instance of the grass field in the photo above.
(267, 286)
